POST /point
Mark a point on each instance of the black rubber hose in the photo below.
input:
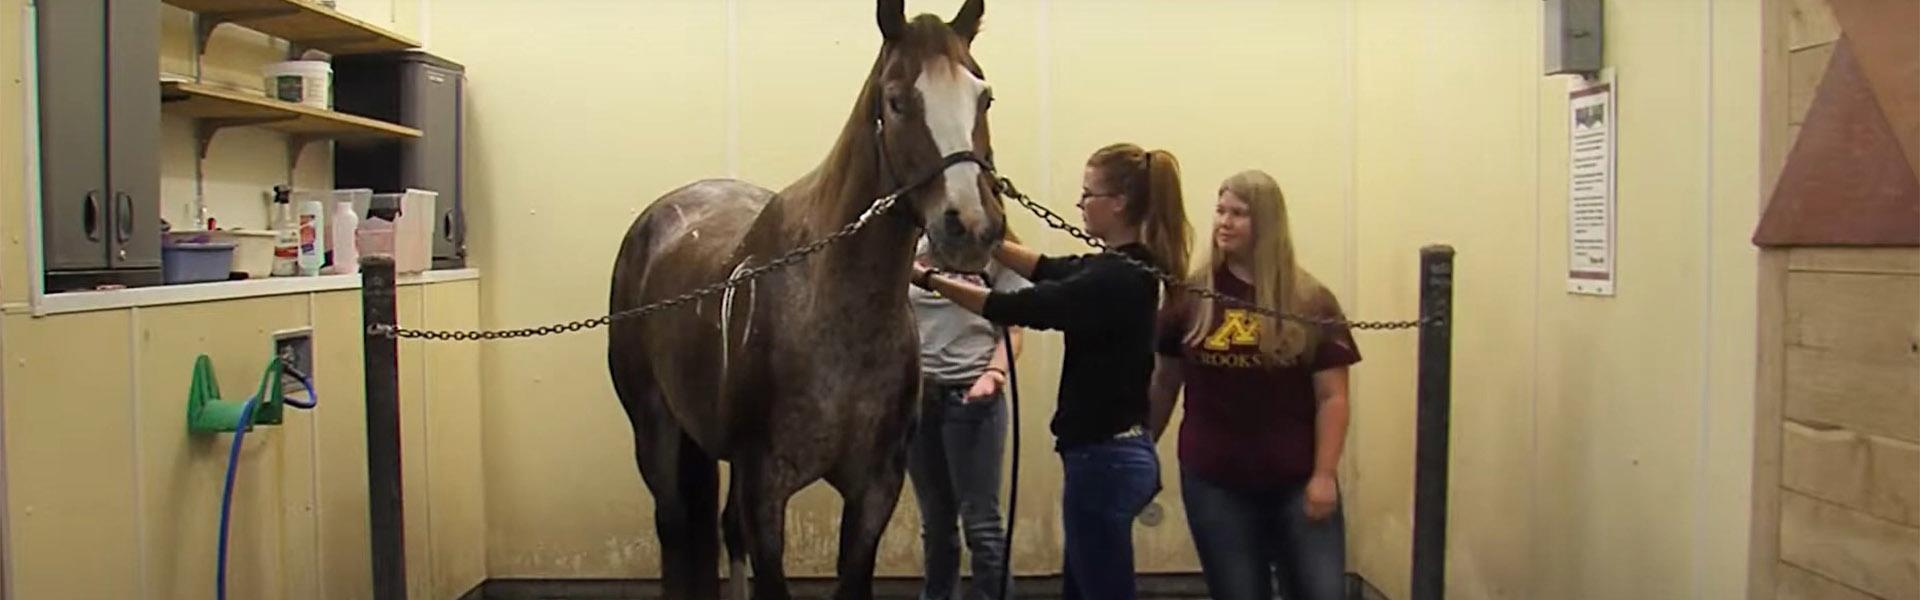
(1013, 487)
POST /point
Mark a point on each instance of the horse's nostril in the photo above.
(954, 226)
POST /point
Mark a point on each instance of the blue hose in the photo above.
(313, 397)
(226, 497)
(233, 467)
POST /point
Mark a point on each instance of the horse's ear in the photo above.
(967, 23)
(893, 19)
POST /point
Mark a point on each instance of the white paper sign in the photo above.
(1590, 208)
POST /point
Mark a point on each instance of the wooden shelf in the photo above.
(301, 22)
(224, 107)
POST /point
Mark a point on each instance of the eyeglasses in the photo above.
(1086, 195)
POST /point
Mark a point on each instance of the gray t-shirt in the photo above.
(955, 344)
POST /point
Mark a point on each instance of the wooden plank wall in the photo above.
(1839, 388)
(1849, 498)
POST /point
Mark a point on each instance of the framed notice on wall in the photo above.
(1590, 205)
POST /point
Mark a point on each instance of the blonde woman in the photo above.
(1266, 410)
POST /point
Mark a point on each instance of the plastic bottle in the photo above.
(286, 234)
(343, 224)
(313, 241)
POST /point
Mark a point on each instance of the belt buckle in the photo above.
(1130, 433)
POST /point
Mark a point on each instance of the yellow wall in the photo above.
(109, 497)
(1601, 445)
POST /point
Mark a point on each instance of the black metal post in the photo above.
(384, 498)
(1435, 404)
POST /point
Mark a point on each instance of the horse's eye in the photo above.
(898, 104)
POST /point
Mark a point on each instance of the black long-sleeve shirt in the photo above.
(1106, 308)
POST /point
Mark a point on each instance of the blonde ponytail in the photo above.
(1151, 182)
(1164, 227)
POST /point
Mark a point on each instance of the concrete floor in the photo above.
(1169, 588)
(1152, 587)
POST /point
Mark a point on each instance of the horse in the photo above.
(810, 372)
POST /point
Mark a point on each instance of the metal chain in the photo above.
(1055, 221)
(791, 258)
(881, 205)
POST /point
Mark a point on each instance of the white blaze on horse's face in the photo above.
(951, 95)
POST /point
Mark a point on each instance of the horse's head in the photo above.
(930, 104)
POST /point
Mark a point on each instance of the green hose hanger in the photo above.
(207, 413)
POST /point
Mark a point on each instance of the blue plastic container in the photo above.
(196, 262)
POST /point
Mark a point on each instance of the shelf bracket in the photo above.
(205, 23)
(297, 145)
(204, 129)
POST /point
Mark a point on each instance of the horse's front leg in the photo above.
(870, 491)
(766, 483)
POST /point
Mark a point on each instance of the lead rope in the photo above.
(1013, 485)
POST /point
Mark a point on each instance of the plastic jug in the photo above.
(344, 225)
(313, 240)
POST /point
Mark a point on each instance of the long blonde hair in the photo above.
(1278, 281)
(1150, 181)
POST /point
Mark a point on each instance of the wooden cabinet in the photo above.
(99, 142)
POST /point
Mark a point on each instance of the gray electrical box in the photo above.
(1572, 35)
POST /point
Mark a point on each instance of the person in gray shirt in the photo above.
(956, 455)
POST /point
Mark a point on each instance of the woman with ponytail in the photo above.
(1105, 304)
(1266, 408)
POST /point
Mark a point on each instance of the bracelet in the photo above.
(924, 280)
(1002, 372)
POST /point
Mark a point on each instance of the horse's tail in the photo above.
(626, 352)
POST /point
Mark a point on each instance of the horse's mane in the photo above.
(848, 180)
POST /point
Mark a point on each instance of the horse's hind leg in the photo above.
(732, 524)
(685, 484)
(870, 491)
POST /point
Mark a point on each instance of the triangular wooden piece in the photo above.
(1847, 182)
(1886, 41)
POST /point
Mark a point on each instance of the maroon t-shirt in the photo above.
(1250, 416)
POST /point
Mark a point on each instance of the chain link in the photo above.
(1055, 221)
(751, 274)
(881, 205)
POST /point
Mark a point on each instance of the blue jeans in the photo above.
(1246, 539)
(955, 467)
(1107, 484)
